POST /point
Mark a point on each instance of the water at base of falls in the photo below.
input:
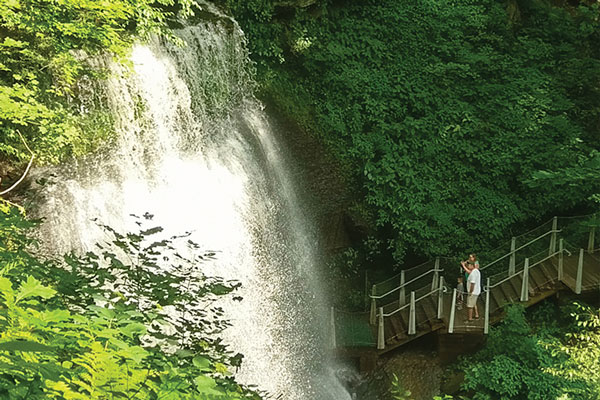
(196, 150)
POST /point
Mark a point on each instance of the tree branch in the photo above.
(26, 169)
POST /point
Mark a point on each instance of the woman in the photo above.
(472, 261)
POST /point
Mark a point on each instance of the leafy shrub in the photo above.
(450, 118)
(41, 58)
(557, 357)
(134, 321)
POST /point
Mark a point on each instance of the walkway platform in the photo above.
(414, 308)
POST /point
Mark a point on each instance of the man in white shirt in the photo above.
(473, 289)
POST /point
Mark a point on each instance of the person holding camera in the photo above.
(471, 267)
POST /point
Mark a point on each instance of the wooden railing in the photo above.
(389, 298)
(412, 307)
(402, 289)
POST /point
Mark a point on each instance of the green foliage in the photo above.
(552, 355)
(444, 114)
(510, 367)
(347, 269)
(261, 13)
(41, 59)
(398, 393)
(585, 173)
(134, 321)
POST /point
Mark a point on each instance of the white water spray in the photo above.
(196, 150)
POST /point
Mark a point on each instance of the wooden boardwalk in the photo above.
(434, 307)
(543, 283)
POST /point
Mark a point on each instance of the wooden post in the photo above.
(525, 283)
(452, 313)
(436, 274)
(591, 239)
(380, 331)
(511, 264)
(486, 322)
(440, 309)
(412, 318)
(561, 258)
(402, 298)
(553, 236)
(579, 273)
(333, 327)
(373, 306)
(366, 289)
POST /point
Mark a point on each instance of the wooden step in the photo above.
(394, 331)
(516, 283)
(509, 291)
(549, 270)
(422, 317)
(434, 303)
(499, 296)
(406, 317)
(544, 280)
(569, 280)
(430, 310)
(403, 316)
(494, 302)
(536, 280)
(591, 272)
(396, 325)
(570, 270)
(389, 330)
(506, 291)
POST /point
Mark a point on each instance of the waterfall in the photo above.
(196, 150)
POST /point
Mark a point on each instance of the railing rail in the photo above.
(396, 277)
(389, 314)
(520, 272)
(411, 307)
(520, 248)
(431, 271)
(525, 272)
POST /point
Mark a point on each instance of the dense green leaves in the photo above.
(444, 114)
(551, 355)
(135, 321)
(43, 48)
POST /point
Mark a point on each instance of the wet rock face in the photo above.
(350, 379)
(419, 371)
(326, 197)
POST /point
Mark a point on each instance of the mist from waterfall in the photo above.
(196, 150)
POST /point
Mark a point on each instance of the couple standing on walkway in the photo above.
(471, 268)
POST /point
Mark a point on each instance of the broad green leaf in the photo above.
(135, 353)
(103, 312)
(33, 288)
(6, 290)
(183, 353)
(202, 363)
(132, 329)
(55, 316)
(206, 384)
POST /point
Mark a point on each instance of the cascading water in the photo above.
(196, 150)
